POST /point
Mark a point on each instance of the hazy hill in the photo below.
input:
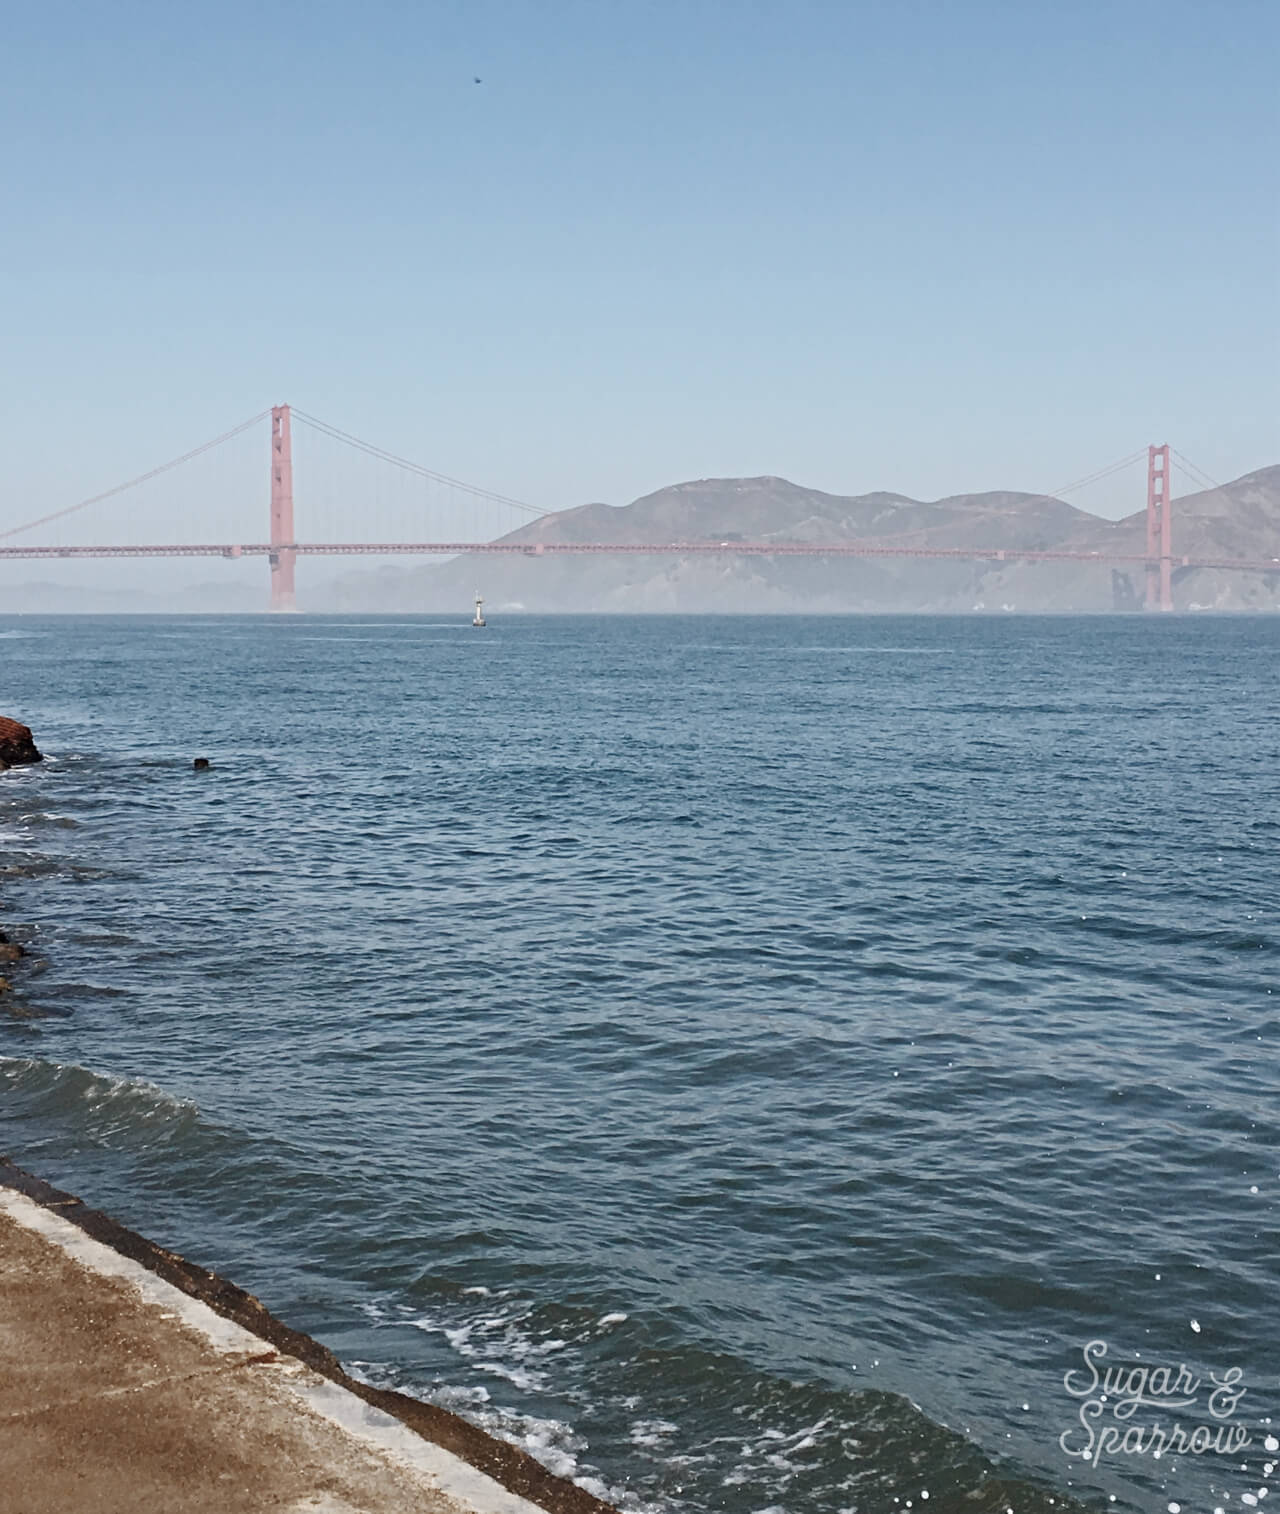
(763, 509)
(1242, 519)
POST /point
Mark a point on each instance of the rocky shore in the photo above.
(17, 749)
(17, 745)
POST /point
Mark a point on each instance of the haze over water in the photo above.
(745, 1060)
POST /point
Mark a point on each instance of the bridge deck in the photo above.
(651, 549)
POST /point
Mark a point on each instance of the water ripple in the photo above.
(857, 1015)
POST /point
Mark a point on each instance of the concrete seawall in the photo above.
(132, 1380)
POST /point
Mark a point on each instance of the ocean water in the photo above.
(745, 1061)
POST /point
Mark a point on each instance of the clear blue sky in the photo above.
(914, 245)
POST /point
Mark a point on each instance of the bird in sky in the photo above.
(477, 81)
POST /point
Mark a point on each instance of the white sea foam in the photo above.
(498, 1344)
(651, 1432)
(518, 1377)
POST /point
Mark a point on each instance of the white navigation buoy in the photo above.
(479, 616)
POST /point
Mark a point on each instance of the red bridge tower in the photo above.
(1159, 535)
(283, 556)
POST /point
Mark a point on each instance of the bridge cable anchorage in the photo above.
(403, 462)
(142, 478)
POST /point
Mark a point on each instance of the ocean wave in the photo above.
(558, 1381)
(46, 819)
(96, 1108)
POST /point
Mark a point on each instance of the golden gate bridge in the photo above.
(282, 548)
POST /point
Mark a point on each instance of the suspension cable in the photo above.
(1095, 478)
(412, 467)
(142, 478)
(1196, 474)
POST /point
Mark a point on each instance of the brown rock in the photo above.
(16, 745)
(10, 951)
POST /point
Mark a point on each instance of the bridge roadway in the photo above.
(658, 549)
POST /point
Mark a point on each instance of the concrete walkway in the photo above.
(121, 1393)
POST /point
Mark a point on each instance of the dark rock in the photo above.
(10, 952)
(201, 764)
(16, 745)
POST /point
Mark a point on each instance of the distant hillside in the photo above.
(1242, 519)
(763, 509)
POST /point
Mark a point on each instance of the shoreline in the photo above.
(437, 1436)
(498, 1461)
(17, 751)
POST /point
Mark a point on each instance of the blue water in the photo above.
(743, 1060)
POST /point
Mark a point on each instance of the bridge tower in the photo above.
(1159, 534)
(283, 557)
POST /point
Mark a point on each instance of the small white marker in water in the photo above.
(1195, 1325)
(1175, 1508)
